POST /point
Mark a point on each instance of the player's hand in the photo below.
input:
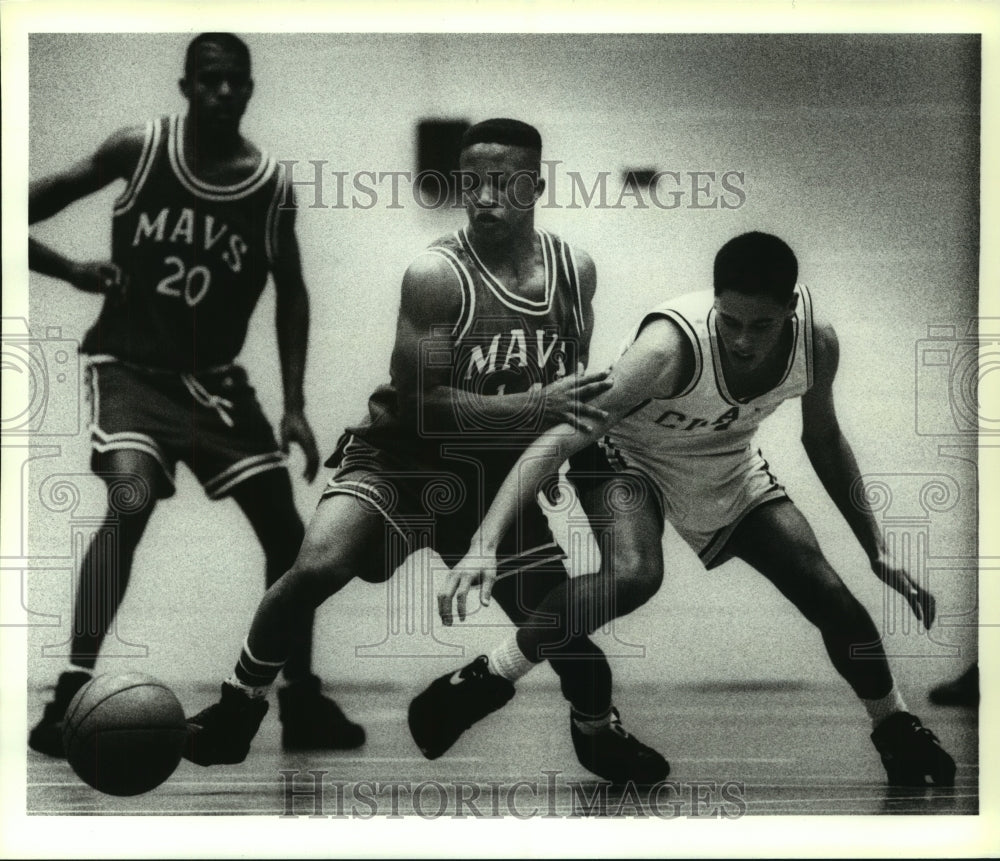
(100, 277)
(566, 399)
(474, 570)
(295, 428)
(921, 601)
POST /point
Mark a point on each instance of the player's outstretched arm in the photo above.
(430, 307)
(115, 159)
(291, 318)
(833, 459)
(659, 363)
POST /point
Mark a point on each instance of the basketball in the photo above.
(123, 734)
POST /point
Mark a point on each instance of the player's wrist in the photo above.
(878, 559)
(484, 545)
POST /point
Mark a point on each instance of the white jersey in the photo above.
(697, 446)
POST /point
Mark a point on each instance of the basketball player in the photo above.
(494, 321)
(195, 232)
(698, 376)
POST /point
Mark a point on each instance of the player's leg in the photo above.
(625, 517)
(344, 539)
(555, 618)
(600, 741)
(963, 691)
(269, 505)
(628, 527)
(583, 669)
(135, 480)
(777, 540)
(309, 721)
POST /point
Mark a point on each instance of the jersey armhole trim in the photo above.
(573, 277)
(808, 336)
(465, 286)
(273, 217)
(692, 336)
(142, 169)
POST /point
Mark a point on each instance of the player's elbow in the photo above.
(45, 199)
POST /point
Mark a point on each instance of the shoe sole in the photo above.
(208, 758)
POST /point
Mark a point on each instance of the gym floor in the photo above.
(764, 750)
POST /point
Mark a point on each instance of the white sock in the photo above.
(880, 709)
(508, 661)
(254, 693)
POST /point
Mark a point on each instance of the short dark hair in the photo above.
(503, 131)
(227, 41)
(756, 264)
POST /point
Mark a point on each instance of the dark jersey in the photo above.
(500, 343)
(196, 256)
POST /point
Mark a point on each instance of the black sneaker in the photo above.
(453, 703)
(221, 734)
(911, 753)
(616, 755)
(46, 735)
(311, 721)
(963, 691)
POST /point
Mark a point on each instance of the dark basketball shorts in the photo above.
(439, 506)
(211, 421)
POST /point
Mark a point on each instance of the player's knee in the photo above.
(637, 575)
(311, 582)
(130, 498)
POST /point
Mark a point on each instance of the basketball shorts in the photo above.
(703, 497)
(211, 421)
(437, 505)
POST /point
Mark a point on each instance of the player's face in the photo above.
(218, 88)
(504, 186)
(750, 327)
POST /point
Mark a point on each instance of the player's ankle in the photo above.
(508, 661)
(251, 692)
(881, 708)
(591, 724)
(253, 676)
(79, 667)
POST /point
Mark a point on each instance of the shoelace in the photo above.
(204, 397)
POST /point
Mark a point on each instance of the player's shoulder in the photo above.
(577, 259)
(122, 149)
(825, 341)
(572, 251)
(825, 350)
(437, 261)
(584, 264)
(660, 335)
(431, 280)
(823, 334)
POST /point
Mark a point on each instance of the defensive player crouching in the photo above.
(494, 320)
